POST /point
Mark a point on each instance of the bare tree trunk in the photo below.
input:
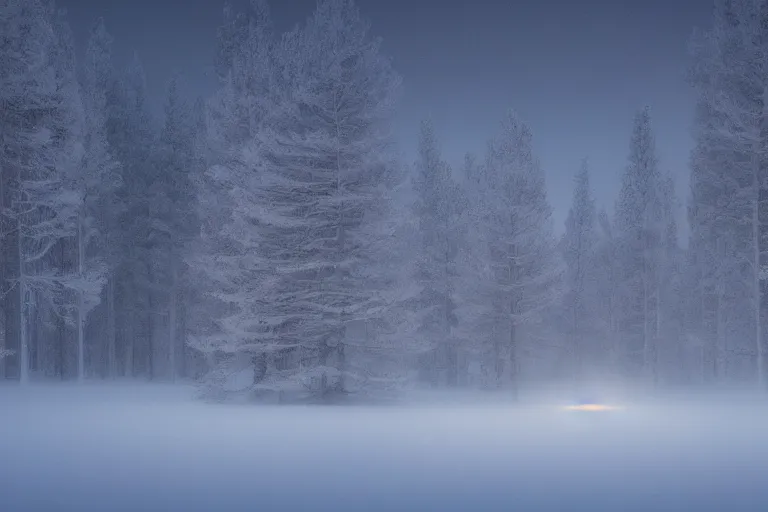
(451, 359)
(514, 272)
(129, 332)
(452, 362)
(341, 385)
(80, 303)
(150, 319)
(172, 322)
(513, 362)
(498, 363)
(757, 292)
(612, 307)
(184, 354)
(259, 367)
(111, 341)
(4, 289)
(61, 328)
(11, 289)
(646, 341)
(23, 310)
(758, 154)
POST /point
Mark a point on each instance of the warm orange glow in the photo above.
(590, 407)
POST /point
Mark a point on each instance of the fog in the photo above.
(359, 325)
(152, 448)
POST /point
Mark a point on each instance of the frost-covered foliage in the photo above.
(43, 130)
(517, 271)
(78, 166)
(727, 211)
(438, 210)
(647, 261)
(268, 241)
(580, 304)
(638, 231)
(305, 183)
(155, 222)
(100, 180)
(224, 259)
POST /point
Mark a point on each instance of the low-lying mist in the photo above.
(134, 448)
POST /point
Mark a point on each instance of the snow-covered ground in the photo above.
(151, 448)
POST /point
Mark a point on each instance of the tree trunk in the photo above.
(341, 385)
(757, 292)
(11, 290)
(576, 340)
(23, 341)
(498, 363)
(129, 317)
(719, 334)
(111, 341)
(514, 272)
(150, 347)
(80, 303)
(172, 322)
(61, 326)
(452, 363)
(657, 326)
(449, 347)
(513, 363)
(259, 367)
(184, 355)
(757, 235)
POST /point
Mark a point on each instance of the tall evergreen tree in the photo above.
(173, 213)
(436, 210)
(42, 127)
(324, 167)
(728, 180)
(100, 182)
(579, 244)
(607, 271)
(639, 233)
(518, 272)
(672, 297)
(131, 137)
(225, 261)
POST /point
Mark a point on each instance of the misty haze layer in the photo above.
(267, 242)
(150, 449)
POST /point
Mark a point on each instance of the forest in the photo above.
(267, 241)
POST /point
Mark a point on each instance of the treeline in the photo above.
(265, 240)
(97, 207)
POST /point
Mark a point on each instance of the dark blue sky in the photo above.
(576, 70)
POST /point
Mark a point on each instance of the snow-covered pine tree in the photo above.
(639, 234)
(728, 179)
(100, 180)
(323, 163)
(133, 142)
(578, 246)
(41, 122)
(520, 272)
(381, 345)
(671, 310)
(475, 327)
(437, 211)
(79, 283)
(17, 68)
(224, 260)
(607, 271)
(174, 213)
